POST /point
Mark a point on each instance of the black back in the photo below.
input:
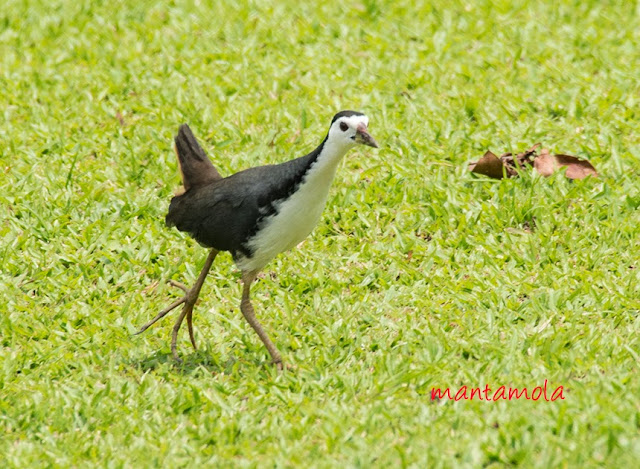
(226, 213)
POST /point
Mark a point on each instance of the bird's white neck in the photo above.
(324, 167)
(299, 213)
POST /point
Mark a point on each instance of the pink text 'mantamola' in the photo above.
(502, 393)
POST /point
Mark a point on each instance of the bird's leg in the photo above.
(250, 316)
(189, 300)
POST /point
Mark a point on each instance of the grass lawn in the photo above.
(419, 275)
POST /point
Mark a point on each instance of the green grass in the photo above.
(419, 274)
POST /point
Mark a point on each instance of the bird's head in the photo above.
(349, 128)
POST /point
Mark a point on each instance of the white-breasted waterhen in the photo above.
(254, 214)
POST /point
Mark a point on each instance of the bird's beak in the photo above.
(362, 136)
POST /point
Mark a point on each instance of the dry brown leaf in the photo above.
(489, 165)
(544, 163)
(527, 157)
(576, 168)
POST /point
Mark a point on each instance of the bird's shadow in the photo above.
(194, 362)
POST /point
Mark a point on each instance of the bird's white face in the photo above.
(351, 130)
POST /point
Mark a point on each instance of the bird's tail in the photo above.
(195, 167)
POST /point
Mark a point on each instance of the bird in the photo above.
(254, 214)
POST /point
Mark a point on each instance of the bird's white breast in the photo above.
(295, 218)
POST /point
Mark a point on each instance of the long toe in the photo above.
(176, 329)
(161, 314)
(179, 285)
(190, 327)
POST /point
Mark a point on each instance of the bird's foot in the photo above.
(280, 366)
(190, 297)
(188, 300)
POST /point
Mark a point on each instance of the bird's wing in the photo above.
(225, 213)
(217, 216)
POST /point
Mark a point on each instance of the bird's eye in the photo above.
(343, 126)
